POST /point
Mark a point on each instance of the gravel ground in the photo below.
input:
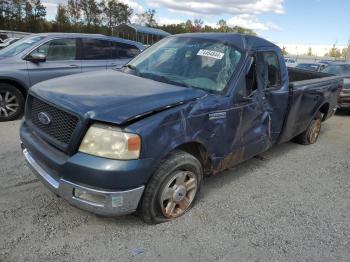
(289, 204)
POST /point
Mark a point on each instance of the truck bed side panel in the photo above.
(308, 97)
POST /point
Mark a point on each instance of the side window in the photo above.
(123, 51)
(250, 80)
(96, 49)
(250, 84)
(58, 50)
(272, 69)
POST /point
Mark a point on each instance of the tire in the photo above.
(173, 188)
(311, 134)
(11, 102)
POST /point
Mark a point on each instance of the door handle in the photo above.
(73, 66)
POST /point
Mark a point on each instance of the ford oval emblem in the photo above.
(44, 118)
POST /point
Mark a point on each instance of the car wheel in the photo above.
(173, 188)
(311, 134)
(11, 102)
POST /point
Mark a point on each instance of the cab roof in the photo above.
(245, 42)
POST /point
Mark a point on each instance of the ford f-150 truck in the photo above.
(141, 138)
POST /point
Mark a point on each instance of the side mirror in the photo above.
(36, 58)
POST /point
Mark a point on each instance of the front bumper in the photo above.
(344, 100)
(109, 203)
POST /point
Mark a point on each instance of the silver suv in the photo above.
(42, 57)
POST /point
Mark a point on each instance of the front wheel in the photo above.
(11, 102)
(173, 188)
(311, 134)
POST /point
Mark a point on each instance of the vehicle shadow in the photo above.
(214, 183)
(229, 176)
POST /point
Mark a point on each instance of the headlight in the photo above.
(110, 142)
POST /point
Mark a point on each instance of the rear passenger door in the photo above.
(95, 54)
(61, 59)
(121, 53)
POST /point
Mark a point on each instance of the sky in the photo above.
(292, 22)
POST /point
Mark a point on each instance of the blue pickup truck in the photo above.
(141, 138)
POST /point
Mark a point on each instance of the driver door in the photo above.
(61, 60)
(275, 90)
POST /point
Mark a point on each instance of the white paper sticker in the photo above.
(210, 53)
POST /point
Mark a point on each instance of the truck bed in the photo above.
(297, 75)
(311, 92)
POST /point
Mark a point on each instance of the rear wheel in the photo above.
(11, 102)
(173, 188)
(310, 135)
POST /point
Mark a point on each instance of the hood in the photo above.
(112, 96)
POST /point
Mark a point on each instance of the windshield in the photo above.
(339, 70)
(19, 46)
(192, 62)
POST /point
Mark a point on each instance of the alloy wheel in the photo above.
(315, 131)
(178, 194)
(9, 104)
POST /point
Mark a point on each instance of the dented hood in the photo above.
(112, 96)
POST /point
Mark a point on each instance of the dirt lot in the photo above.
(292, 203)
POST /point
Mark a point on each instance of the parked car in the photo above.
(341, 69)
(190, 105)
(311, 66)
(45, 56)
(8, 42)
(290, 62)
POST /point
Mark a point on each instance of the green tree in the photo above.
(189, 26)
(115, 12)
(32, 15)
(198, 24)
(62, 23)
(242, 30)
(344, 52)
(309, 52)
(74, 11)
(91, 12)
(222, 25)
(39, 10)
(284, 51)
(147, 18)
(334, 52)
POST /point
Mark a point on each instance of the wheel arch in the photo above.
(199, 151)
(20, 86)
(324, 109)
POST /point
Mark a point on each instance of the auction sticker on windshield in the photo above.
(210, 53)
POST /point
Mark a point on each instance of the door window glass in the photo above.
(58, 50)
(272, 69)
(123, 51)
(96, 49)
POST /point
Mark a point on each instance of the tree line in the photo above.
(90, 16)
